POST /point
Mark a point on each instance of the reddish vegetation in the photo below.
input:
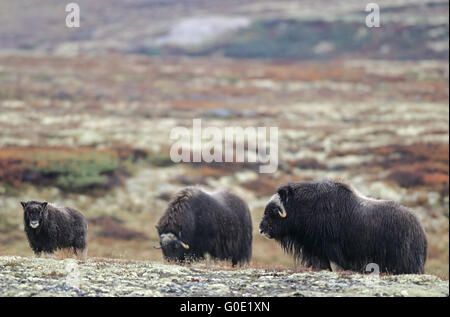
(134, 90)
(308, 163)
(419, 165)
(11, 170)
(111, 227)
(222, 168)
(407, 178)
(17, 164)
(224, 78)
(411, 165)
(263, 186)
(129, 153)
(43, 165)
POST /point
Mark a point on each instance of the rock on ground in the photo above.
(22, 276)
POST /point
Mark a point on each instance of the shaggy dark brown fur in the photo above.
(50, 228)
(329, 225)
(196, 223)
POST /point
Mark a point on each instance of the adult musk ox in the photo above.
(50, 228)
(198, 223)
(329, 225)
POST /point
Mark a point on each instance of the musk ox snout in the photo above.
(34, 224)
(264, 228)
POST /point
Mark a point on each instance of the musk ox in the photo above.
(50, 228)
(198, 223)
(329, 225)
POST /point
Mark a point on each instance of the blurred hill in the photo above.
(288, 29)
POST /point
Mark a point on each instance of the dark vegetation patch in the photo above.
(263, 186)
(422, 164)
(71, 169)
(308, 163)
(53, 274)
(300, 39)
(407, 179)
(112, 227)
(160, 159)
(192, 180)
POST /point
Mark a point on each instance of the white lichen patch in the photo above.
(21, 276)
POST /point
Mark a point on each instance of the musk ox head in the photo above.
(296, 201)
(34, 213)
(275, 215)
(172, 247)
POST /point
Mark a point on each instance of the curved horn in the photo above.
(282, 214)
(184, 245)
(276, 199)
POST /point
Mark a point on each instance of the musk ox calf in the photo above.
(329, 225)
(198, 223)
(50, 228)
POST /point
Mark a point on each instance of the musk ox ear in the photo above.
(284, 192)
(24, 204)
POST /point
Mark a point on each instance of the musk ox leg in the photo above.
(37, 254)
(49, 255)
(66, 253)
(81, 254)
(209, 259)
(335, 267)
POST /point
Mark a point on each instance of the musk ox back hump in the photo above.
(218, 224)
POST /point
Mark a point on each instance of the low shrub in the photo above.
(67, 168)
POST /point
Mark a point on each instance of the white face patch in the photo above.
(168, 237)
(34, 224)
(275, 198)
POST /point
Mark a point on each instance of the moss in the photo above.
(160, 159)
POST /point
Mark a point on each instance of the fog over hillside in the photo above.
(295, 29)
